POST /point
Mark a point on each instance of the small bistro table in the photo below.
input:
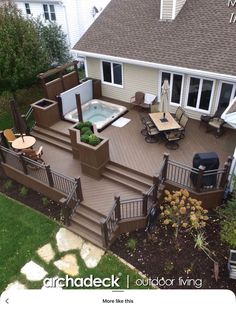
(162, 126)
(26, 142)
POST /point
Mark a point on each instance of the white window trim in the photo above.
(220, 88)
(112, 74)
(171, 86)
(49, 12)
(197, 109)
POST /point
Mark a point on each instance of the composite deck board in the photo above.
(128, 148)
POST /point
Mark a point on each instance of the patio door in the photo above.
(227, 93)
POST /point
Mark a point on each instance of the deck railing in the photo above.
(30, 121)
(194, 179)
(70, 187)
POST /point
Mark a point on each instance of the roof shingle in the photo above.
(200, 37)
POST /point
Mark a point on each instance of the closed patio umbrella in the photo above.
(19, 123)
(229, 115)
(165, 96)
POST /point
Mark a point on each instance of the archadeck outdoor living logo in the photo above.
(232, 5)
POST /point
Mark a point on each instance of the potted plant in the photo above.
(92, 150)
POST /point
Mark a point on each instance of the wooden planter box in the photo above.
(93, 158)
(46, 112)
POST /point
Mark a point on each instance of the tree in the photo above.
(55, 41)
(23, 53)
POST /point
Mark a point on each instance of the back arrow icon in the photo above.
(7, 300)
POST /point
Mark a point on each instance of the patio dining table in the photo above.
(164, 121)
(23, 143)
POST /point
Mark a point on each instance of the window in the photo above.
(27, 8)
(49, 12)
(200, 93)
(227, 93)
(175, 82)
(112, 73)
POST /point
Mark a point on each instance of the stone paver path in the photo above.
(16, 285)
(66, 241)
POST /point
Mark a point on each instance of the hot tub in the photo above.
(99, 112)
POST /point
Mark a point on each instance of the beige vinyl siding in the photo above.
(135, 78)
(167, 9)
(179, 5)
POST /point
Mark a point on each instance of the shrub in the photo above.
(45, 201)
(84, 138)
(8, 185)
(180, 211)
(131, 244)
(86, 124)
(94, 140)
(85, 129)
(23, 191)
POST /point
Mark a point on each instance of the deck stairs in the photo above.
(140, 182)
(53, 137)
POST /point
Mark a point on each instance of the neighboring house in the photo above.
(134, 45)
(75, 16)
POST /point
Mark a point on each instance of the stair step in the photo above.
(138, 187)
(91, 225)
(130, 172)
(51, 141)
(64, 138)
(139, 178)
(89, 213)
(86, 234)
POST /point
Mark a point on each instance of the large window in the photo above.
(176, 83)
(200, 93)
(227, 93)
(49, 12)
(27, 8)
(112, 73)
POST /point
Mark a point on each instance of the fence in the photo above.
(70, 187)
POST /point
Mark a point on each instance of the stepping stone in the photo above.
(46, 253)
(67, 240)
(68, 264)
(91, 254)
(33, 271)
(16, 285)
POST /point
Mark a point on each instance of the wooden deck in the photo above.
(128, 148)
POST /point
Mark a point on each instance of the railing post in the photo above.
(65, 211)
(145, 202)
(156, 182)
(104, 230)
(79, 191)
(165, 167)
(22, 160)
(2, 155)
(117, 210)
(224, 178)
(49, 175)
(199, 181)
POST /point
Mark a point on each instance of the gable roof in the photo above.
(200, 37)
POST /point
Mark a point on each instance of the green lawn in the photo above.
(23, 231)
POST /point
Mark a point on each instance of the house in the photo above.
(134, 45)
(75, 16)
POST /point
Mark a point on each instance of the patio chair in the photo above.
(178, 113)
(10, 135)
(216, 124)
(232, 264)
(183, 122)
(143, 100)
(146, 120)
(152, 135)
(34, 155)
(172, 138)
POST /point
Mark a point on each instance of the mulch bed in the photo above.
(32, 198)
(165, 257)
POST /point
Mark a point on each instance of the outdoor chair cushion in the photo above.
(216, 122)
(149, 98)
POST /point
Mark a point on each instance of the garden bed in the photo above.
(31, 198)
(165, 257)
